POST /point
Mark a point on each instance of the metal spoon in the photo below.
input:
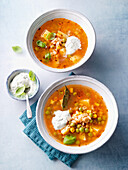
(29, 112)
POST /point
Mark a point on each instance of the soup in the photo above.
(60, 43)
(75, 115)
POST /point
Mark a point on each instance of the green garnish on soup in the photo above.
(69, 139)
(48, 56)
(41, 44)
(51, 36)
(65, 98)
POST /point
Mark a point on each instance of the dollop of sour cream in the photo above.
(72, 44)
(60, 119)
(21, 80)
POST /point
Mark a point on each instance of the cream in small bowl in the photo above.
(21, 81)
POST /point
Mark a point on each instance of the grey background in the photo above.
(108, 64)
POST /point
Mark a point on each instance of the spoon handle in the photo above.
(29, 112)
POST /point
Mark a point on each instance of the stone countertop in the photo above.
(108, 64)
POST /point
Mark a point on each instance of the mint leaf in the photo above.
(41, 44)
(51, 36)
(20, 91)
(48, 56)
(32, 76)
(17, 49)
(69, 139)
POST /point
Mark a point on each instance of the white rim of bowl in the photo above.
(77, 65)
(65, 148)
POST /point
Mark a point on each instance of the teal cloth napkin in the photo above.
(32, 132)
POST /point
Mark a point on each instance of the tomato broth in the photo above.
(88, 113)
(50, 39)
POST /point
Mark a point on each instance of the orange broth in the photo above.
(58, 57)
(96, 106)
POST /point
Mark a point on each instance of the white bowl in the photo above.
(97, 86)
(68, 14)
(10, 78)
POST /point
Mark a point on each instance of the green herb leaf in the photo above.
(48, 56)
(20, 91)
(65, 98)
(69, 139)
(17, 49)
(32, 76)
(41, 44)
(23, 94)
(51, 36)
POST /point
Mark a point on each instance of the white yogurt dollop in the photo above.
(60, 119)
(72, 44)
(21, 80)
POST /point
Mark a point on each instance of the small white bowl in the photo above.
(10, 78)
(68, 14)
(97, 86)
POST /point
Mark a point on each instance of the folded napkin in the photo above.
(32, 132)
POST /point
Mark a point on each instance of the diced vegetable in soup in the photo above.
(60, 43)
(75, 115)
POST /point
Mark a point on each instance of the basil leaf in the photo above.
(32, 76)
(23, 94)
(48, 56)
(69, 139)
(51, 36)
(20, 91)
(65, 98)
(17, 49)
(41, 44)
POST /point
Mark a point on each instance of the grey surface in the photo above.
(108, 64)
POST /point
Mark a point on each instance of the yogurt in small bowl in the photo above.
(19, 80)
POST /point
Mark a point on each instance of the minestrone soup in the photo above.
(60, 43)
(75, 115)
